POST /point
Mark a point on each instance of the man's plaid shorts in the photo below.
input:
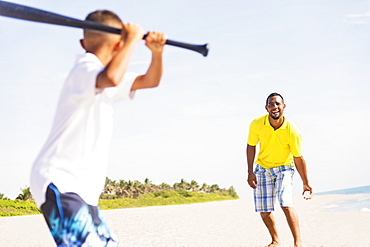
(271, 184)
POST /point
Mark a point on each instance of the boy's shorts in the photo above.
(72, 222)
(271, 184)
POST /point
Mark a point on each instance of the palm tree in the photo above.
(184, 185)
(164, 186)
(137, 189)
(2, 197)
(194, 185)
(232, 192)
(215, 188)
(176, 186)
(150, 187)
(110, 186)
(25, 195)
(205, 188)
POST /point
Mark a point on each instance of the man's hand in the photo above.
(300, 164)
(155, 41)
(307, 187)
(252, 180)
(251, 153)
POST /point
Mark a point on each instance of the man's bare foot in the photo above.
(298, 245)
(274, 244)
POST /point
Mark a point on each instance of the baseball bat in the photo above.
(22, 12)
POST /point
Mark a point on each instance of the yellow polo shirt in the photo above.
(277, 147)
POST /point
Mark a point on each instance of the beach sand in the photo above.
(226, 223)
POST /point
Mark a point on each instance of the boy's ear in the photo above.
(118, 45)
(82, 44)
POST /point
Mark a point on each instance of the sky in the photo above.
(194, 126)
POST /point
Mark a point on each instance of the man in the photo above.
(280, 150)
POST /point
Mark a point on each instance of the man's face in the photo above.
(275, 107)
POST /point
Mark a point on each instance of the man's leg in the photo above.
(293, 223)
(285, 193)
(269, 221)
(264, 198)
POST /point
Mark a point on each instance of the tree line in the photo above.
(134, 189)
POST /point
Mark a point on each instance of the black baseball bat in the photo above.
(32, 14)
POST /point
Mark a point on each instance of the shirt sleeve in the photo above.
(81, 82)
(123, 90)
(253, 136)
(295, 143)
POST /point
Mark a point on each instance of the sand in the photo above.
(227, 223)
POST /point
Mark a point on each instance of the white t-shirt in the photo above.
(75, 156)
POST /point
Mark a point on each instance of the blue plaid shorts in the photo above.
(271, 184)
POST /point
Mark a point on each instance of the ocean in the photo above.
(359, 204)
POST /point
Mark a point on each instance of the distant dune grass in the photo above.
(164, 198)
(20, 207)
(17, 207)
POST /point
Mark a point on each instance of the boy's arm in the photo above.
(251, 153)
(300, 164)
(113, 73)
(155, 42)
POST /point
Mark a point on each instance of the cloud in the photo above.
(367, 14)
(358, 19)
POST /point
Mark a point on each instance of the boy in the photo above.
(69, 173)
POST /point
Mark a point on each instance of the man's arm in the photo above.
(155, 42)
(251, 153)
(300, 164)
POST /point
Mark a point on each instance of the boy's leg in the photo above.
(72, 222)
(264, 198)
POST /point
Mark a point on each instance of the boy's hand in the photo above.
(155, 41)
(131, 32)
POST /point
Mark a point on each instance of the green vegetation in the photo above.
(22, 205)
(17, 207)
(3, 197)
(25, 195)
(163, 198)
(130, 194)
(135, 189)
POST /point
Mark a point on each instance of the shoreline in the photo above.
(356, 202)
(213, 224)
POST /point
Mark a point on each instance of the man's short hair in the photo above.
(272, 95)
